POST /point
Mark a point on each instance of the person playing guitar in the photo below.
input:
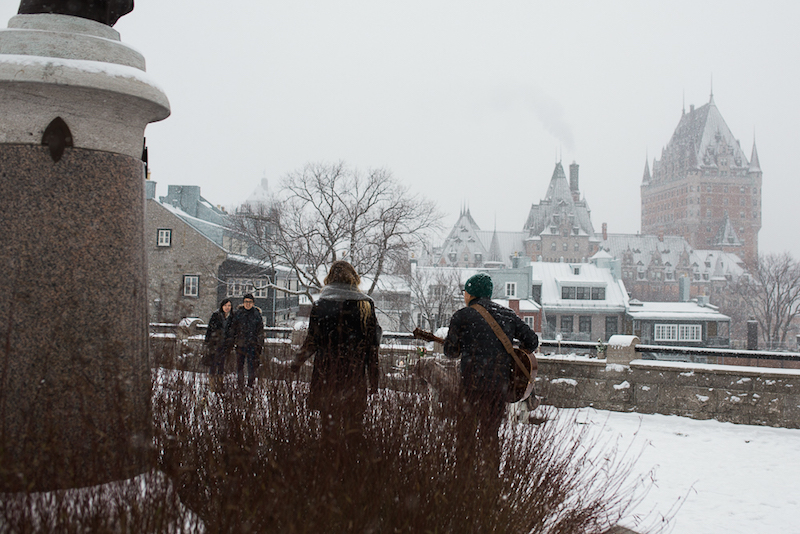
(486, 368)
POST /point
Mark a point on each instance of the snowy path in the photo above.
(734, 478)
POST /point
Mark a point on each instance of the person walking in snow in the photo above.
(343, 336)
(485, 370)
(217, 347)
(246, 332)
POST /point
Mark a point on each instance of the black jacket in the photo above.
(216, 330)
(246, 328)
(485, 364)
(345, 350)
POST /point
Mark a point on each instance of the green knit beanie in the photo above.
(479, 285)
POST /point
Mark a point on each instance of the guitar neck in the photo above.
(426, 336)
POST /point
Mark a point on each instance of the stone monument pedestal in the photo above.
(74, 370)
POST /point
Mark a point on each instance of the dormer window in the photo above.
(511, 289)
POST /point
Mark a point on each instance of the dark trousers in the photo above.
(218, 362)
(477, 424)
(249, 354)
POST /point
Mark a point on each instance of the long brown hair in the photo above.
(343, 273)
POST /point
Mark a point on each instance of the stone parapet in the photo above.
(748, 395)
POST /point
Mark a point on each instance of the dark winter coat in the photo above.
(345, 350)
(485, 364)
(215, 332)
(246, 329)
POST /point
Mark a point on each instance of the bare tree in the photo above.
(326, 212)
(436, 293)
(770, 293)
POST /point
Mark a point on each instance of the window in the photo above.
(191, 285)
(530, 320)
(583, 293)
(536, 294)
(164, 237)
(553, 245)
(567, 292)
(611, 326)
(478, 258)
(576, 247)
(237, 287)
(690, 332)
(665, 332)
(566, 323)
(564, 246)
(261, 288)
(585, 324)
(598, 293)
(511, 289)
(576, 269)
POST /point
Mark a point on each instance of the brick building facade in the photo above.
(704, 188)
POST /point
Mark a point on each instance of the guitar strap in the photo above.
(502, 337)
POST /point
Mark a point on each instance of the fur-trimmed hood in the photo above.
(341, 292)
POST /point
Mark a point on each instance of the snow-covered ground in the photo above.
(726, 478)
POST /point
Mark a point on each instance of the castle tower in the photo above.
(559, 228)
(703, 188)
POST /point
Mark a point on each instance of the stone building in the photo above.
(195, 261)
(580, 301)
(558, 228)
(704, 188)
(667, 268)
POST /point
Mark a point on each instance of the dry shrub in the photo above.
(253, 461)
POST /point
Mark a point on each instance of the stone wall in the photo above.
(190, 253)
(748, 395)
(737, 394)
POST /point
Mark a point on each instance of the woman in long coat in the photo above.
(216, 346)
(343, 336)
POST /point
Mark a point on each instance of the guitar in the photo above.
(521, 379)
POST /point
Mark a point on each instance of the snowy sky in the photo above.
(468, 101)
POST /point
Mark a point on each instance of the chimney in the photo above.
(573, 181)
(514, 305)
(605, 232)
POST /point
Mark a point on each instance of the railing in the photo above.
(719, 355)
(403, 344)
(725, 353)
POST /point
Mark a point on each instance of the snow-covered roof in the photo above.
(673, 252)
(554, 276)
(212, 231)
(249, 260)
(559, 203)
(525, 305)
(673, 311)
(390, 283)
(695, 143)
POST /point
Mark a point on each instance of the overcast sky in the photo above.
(468, 101)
